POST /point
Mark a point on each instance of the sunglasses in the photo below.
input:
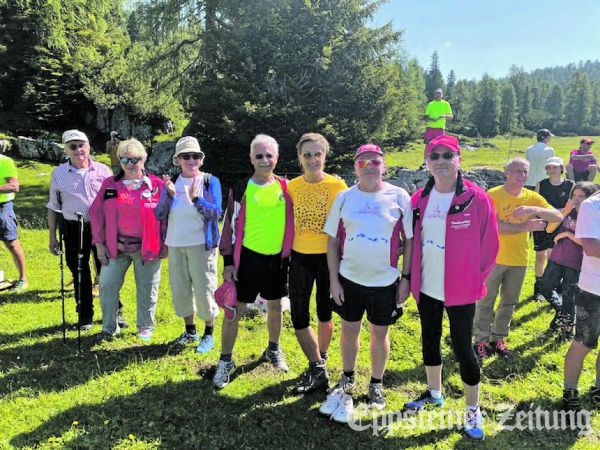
(446, 155)
(187, 156)
(127, 160)
(264, 155)
(364, 163)
(308, 155)
(76, 146)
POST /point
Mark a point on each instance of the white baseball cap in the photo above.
(74, 135)
(555, 161)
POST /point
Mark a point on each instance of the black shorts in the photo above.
(543, 240)
(261, 274)
(305, 270)
(379, 302)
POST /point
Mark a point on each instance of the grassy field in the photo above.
(127, 394)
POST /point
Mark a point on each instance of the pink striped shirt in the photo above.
(74, 191)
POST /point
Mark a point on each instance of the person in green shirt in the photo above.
(9, 184)
(437, 112)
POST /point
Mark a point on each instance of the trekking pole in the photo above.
(59, 218)
(79, 269)
(510, 139)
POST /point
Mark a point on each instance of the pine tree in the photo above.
(433, 77)
(578, 103)
(508, 109)
(486, 111)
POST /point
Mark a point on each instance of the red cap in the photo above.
(368, 148)
(586, 141)
(445, 140)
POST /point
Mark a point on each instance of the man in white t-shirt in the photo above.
(538, 155)
(367, 225)
(587, 306)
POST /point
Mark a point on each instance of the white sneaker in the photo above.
(206, 344)
(331, 402)
(223, 373)
(345, 410)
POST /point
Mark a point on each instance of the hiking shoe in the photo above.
(206, 344)
(187, 338)
(473, 425)
(313, 379)
(19, 286)
(375, 396)
(223, 373)
(120, 321)
(344, 412)
(571, 401)
(103, 336)
(501, 349)
(332, 401)
(275, 357)
(145, 334)
(87, 326)
(424, 401)
(346, 383)
(483, 349)
(595, 396)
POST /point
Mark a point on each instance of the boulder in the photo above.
(5, 145)
(160, 160)
(41, 149)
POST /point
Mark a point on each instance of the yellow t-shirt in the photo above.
(312, 202)
(436, 108)
(7, 170)
(514, 248)
(265, 218)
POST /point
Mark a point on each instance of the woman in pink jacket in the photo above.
(125, 231)
(455, 246)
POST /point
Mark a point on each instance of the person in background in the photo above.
(587, 306)
(537, 155)
(112, 147)
(125, 231)
(192, 205)
(564, 264)
(258, 234)
(312, 194)
(582, 162)
(556, 190)
(456, 238)
(9, 185)
(437, 112)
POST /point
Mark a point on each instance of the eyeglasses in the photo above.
(264, 155)
(76, 146)
(127, 160)
(364, 163)
(187, 156)
(446, 155)
(308, 155)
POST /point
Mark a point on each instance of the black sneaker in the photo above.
(312, 380)
(537, 295)
(571, 400)
(103, 336)
(595, 396)
(120, 321)
(375, 396)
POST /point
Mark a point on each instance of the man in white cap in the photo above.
(73, 187)
(537, 155)
(437, 112)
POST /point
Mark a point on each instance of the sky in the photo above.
(478, 36)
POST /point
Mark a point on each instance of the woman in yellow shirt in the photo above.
(312, 195)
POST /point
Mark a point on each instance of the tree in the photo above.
(554, 102)
(508, 109)
(433, 78)
(578, 102)
(486, 109)
(450, 84)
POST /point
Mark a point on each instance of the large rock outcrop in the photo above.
(42, 149)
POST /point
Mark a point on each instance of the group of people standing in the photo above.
(459, 245)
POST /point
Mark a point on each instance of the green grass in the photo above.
(125, 394)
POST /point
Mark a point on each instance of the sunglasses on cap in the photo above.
(127, 160)
(187, 156)
(445, 155)
(264, 155)
(76, 146)
(364, 163)
(308, 155)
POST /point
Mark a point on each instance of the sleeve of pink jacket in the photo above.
(97, 216)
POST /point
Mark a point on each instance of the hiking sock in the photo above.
(273, 346)
(349, 373)
(375, 380)
(324, 356)
(225, 357)
(208, 330)
(191, 329)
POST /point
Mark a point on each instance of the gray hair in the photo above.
(511, 162)
(265, 139)
(133, 147)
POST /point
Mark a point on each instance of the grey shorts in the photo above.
(587, 318)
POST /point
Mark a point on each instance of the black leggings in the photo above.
(431, 313)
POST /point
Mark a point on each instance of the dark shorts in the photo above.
(305, 271)
(581, 176)
(8, 222)
(587, 318)
(261, 274)
(431, 133)
(543, 240)
(378, 302)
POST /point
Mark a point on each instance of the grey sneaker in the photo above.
(120, 321)
(346, 384)
(375, 396)
(19, 286)
(312, 380)
(85, 326)
(103, 336)
(277, 358)
(187, 338)
(223, 373)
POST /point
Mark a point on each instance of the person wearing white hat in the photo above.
(191, 203)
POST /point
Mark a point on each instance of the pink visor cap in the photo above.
(445, 140)
(368, 148)
(226, 298)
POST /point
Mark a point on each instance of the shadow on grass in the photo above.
(35, 296)
(37, 332)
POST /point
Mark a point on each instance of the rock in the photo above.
(28, 148)
(41, 149)
(120, 121)
(4, 145)
(160, 160)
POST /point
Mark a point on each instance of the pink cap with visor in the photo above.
(368, 148)
(445, 140)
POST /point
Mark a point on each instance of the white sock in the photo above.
(435, 394)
